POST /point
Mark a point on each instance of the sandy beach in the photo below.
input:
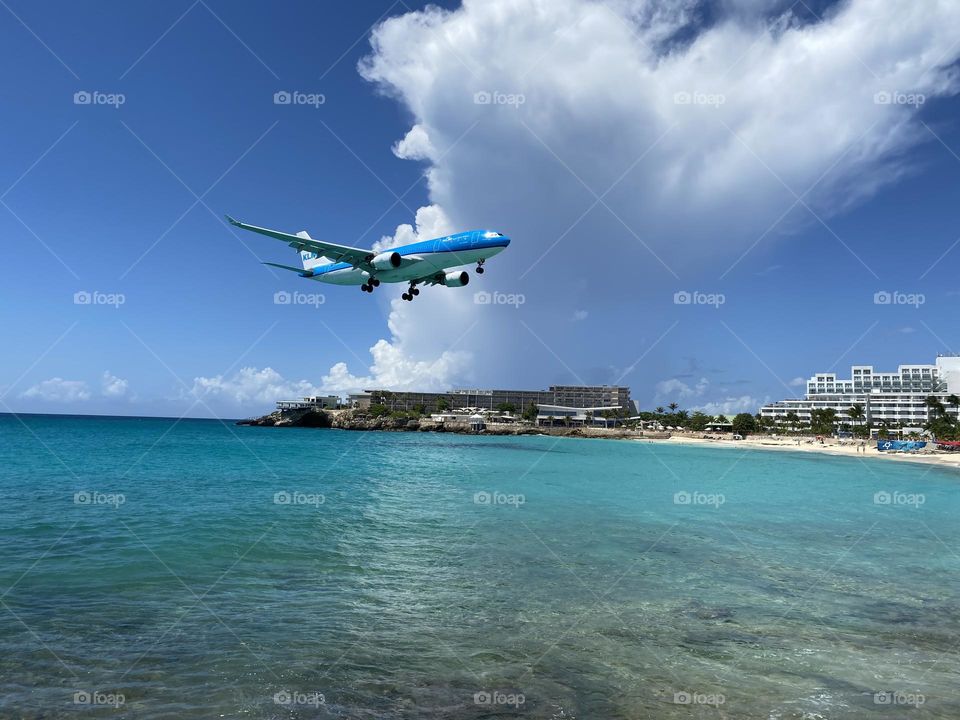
(829, 446)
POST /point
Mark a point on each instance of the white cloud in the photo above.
(415, 145)
(798, 382)
(579, 315)
(419, 355)
(59, 390)
(112, 386)
(394, 369)
(794, 100)
(734, 405)
(673, 389)
(249, 387)
(432, 222)
(773, 101)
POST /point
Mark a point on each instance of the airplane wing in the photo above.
(340, 253)
(299, 270)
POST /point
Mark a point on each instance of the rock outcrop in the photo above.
(360, 420)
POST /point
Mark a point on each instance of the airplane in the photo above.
(427, 262)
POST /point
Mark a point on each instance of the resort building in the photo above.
(570, 396)
(891, 398)
(562, 414)
(318, 402)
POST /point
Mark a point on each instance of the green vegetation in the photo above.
(379, 410)
(744, 424)
(530, 413)
(507, 408)
(699, 421)
(941, 424)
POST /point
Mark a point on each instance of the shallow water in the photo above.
(577, 584)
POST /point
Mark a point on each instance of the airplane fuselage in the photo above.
(426, 263)
(420, 259)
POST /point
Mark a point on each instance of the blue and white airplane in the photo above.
(422, 263)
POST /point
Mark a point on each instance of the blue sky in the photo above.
(105, 199)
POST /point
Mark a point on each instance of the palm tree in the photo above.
(792, 418)
(673, 407)
(660, 410)
(954, 402)
(934, 407)
(855, 413)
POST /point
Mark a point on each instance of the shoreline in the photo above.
(830, 447)
(355, 422)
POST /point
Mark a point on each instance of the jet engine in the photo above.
(456, 279)
(386, 261)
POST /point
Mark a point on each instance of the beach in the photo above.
(829, 446)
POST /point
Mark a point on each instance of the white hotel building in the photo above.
(897, 398)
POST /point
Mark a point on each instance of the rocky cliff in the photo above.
(359, 420)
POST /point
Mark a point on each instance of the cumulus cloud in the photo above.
(59, 390)
(419, 354)
(579, 315)
(734, 405)
(722, 122)
(431, 222)
(415, 145)
(675, 389)
(395, 369)
(798, 382)
(249, 387)
(651, 132)
(112, 386)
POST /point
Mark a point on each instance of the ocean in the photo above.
(159, 569)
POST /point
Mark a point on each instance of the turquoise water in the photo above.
(379, 584)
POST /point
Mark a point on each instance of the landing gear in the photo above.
(480, 266)
(411, 293)
(375, 282)
(366, 288)
(406, 297)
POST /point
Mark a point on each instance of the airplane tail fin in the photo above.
(309, 259)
